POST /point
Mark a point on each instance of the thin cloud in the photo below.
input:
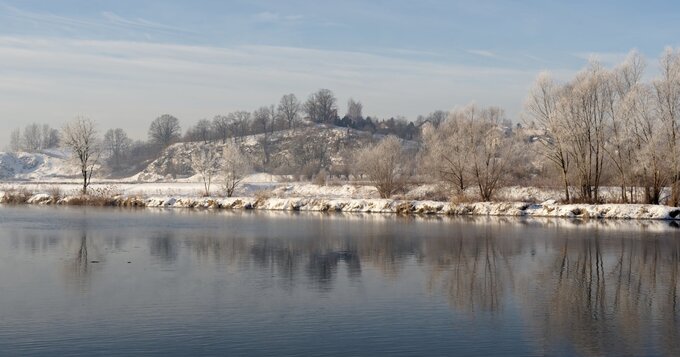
(483, 53)
(113, 23)
(139, 23)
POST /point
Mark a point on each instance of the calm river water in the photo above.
(84, 281)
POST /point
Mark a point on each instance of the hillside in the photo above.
(303, 151)
(48, 165)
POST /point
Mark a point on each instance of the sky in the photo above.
(125, 62)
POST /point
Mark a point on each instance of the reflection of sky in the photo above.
(250, 282)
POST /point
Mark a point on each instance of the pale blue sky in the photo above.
(125, 62)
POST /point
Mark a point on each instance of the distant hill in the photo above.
(301, 151)
(304, 151)
(50, 164)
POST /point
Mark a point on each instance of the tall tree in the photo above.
(263, 121)
(235, 166)
(80, 136)
(221, 127)
(321, 106)
(354, 110)
(165, 130)
(289, 110)
(385, 165)
(117, 145)
(541, 110)
(206, 163)
(667, 90)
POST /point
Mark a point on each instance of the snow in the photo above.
(51, 171)
(34, 166)
(375, 205)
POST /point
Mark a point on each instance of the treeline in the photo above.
(606, 126)
(34, 138)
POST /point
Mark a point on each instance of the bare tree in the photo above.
(263, 120)
(32, 140)
(206, 163)
(15, 140)
(321, 106)
(309, 150)
(667, 90)
(80, 136)
(491, 149)
(586, 113)
(117, 145)
(354, 109)
(240, 123)
(235, 166)
(201, 131)
(620, 145)
(385, 165)
(446, 151)
(164, 130)
(289, 110)
(646, 130)
(221, 127)
(541, 109)
(49, 136)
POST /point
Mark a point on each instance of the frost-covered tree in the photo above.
(321, 106)
(289, 110)
(490, 148)
(471, 147)
(667, 93)
(80, 136)
(445, 152)
(165, 130)
(620, 146)
(585, 110)
(15, 140)
(32, 139)
(541, 110)
(49, 137)
(206, 163)
(649, 169)
(385, 165)
(235, 166)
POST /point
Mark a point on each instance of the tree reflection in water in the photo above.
(607, 295)
(590, 287)
(472, 269)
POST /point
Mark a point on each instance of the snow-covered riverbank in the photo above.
(353, 205)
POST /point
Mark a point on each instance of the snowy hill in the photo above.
(51, 164)
(288, 151)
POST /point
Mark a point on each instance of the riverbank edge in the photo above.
(355, 205)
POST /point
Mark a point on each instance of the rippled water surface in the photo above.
(77, 281)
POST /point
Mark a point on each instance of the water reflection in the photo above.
(582, 287)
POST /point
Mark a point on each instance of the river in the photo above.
(90, 281)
